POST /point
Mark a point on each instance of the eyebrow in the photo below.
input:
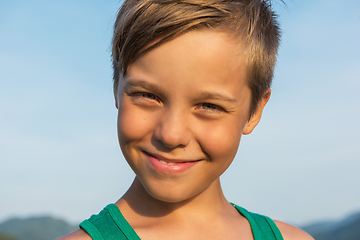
(216, 96)
(144, 84)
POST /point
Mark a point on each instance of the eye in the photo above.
(147, 95)
(144, 97)
(210, 107)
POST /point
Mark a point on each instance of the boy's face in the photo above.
(183, 108)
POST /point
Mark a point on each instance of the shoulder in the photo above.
(290, 232)
(77, 235)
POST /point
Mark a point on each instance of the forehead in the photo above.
(210, 52)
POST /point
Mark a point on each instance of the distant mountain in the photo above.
(6, 237)
(347, 229)
(34, 228)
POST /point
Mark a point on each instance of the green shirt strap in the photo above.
(263, 228)
(109, 224)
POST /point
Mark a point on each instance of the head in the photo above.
(142, 25)
(190, 77)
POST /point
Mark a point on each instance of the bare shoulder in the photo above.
(77, 235)
(290, 232)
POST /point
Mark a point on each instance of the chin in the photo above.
(171, 198)
(170, 194)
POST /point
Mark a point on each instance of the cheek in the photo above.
(221, 141)
(133, 123)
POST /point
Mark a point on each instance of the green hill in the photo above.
(6, 237)
(347, 229)
(34, 228)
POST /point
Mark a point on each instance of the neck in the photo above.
(139, 201)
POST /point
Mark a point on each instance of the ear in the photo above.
(255, 118)
(116, 97)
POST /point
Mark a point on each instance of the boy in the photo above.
(190, 77)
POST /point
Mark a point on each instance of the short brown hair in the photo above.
(142, 25)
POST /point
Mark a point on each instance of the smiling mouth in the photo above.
(172, 166)
(169, 161)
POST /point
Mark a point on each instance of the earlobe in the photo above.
(116, 100)
(255, 118)
(251, 124)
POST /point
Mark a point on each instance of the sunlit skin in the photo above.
(182, 109)
(185, 102)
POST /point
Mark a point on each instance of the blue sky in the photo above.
(58, 145)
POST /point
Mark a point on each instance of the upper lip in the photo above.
(170, 160)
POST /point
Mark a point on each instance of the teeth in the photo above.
(167, 163)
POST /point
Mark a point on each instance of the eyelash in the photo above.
(146, 95)
(211, 107)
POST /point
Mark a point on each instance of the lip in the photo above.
(170, 166)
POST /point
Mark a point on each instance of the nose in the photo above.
(172, 130)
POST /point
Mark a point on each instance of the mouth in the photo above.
(170, 166)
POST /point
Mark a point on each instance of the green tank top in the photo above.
(110, 224)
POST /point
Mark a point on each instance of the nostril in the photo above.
(171, 136)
